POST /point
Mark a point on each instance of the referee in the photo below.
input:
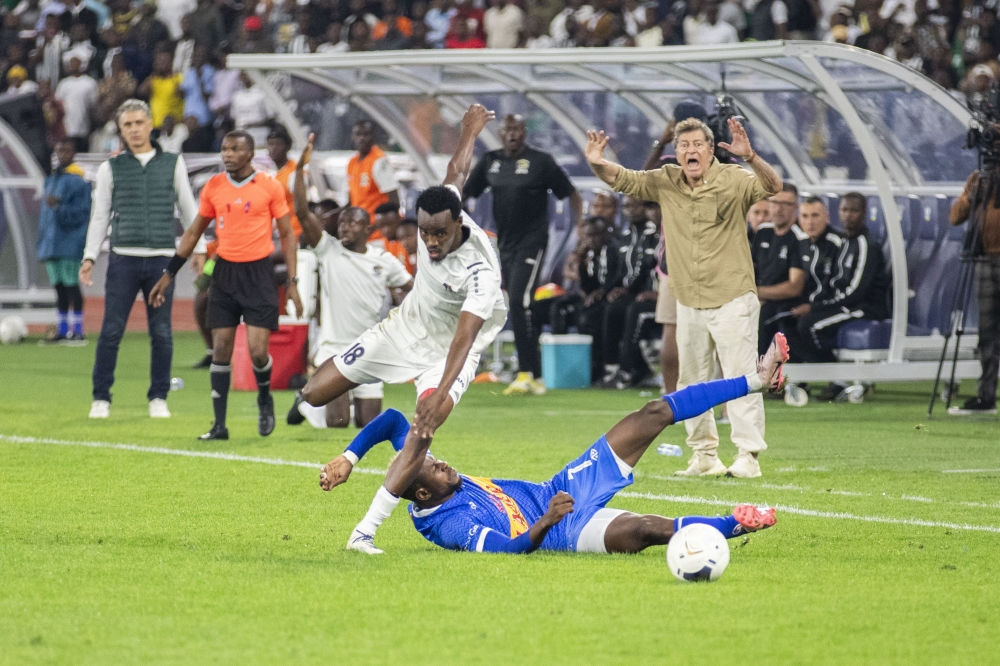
(520, 178)
(243, 202)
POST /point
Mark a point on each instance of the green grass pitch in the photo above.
(117, 556)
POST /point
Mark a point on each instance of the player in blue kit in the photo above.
(568, 512)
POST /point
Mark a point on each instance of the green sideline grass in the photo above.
(124, 557)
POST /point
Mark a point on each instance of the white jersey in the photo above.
(466, 280)
(353, 287)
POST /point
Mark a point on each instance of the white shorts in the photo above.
(374, 357)
(373, 391)
(592, 535)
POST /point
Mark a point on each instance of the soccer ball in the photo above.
(697, 552)
(12, 330)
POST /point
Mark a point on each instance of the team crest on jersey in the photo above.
(784, 252)
(365, 180)
(521, 167)
(377, 270)
(593, 454)
(495, 167)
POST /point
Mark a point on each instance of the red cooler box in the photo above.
(287, 348)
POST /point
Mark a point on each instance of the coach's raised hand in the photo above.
(335, 472)
(594, 152)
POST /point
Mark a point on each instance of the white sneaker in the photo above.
(100, 409)
(158, 409)
(744, 467)
(769, 365)
(703, 465)
(363, 543)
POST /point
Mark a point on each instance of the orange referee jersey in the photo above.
(243, 214)
(363, 178)
(284, 177)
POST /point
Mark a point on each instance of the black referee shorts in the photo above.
(243, 289)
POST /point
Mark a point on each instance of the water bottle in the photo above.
(176, 384)
(669, 450)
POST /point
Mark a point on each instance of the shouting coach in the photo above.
(705, 204)
(520, 178)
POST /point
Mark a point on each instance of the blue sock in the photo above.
(699, 398)
(78, 323)
(63, 328)
(389, 425)
(728, 525)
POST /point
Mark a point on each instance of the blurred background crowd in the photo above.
(81, 58)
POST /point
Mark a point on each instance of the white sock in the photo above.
(315, 415)
(381, 508)
(754, 382)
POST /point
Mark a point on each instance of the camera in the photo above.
(984, 130)
(718, 121)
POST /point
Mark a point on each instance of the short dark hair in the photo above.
(241, 134)
(280, 132)
(857, 196)
(408, 222)
(387, 207)
(351, 211)
(813, 199)
(790, 187)
(329, 204)
(363, 121)
(439, 198)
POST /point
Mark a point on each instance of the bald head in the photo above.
(513, 133)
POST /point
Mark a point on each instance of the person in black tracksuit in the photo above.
(520, 178)
(858, 290)
(634, 294)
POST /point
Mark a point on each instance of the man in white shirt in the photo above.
(503, 23)
(78, 94)
(713, 31)
(354, 278)
(435, 337)
(135, 193)
(250, 110)
(575, 9)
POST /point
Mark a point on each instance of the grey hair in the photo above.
(132, 105)
(693, 125)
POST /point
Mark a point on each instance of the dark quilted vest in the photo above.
(142, 201)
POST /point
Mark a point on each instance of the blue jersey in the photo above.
(494, 515)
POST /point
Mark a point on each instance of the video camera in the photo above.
(984, 129)
(718, 121)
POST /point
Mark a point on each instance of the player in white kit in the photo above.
(354, 277)
(435, 337)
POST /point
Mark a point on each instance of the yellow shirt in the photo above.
(704, 229)
(165, 99)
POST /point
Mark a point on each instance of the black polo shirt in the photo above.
(774, 255)
(520, 186)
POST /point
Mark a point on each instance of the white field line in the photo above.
(684, 499)
(217, 455)
(969, 471)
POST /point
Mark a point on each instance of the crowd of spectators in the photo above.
(82, 58)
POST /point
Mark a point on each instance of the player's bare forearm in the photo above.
(312, 230)
(594, 152)
(473, 122)
(191, 235)
(765, 172)
(288, 245)
(407, 465)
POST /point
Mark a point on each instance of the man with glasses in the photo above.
(704, 205)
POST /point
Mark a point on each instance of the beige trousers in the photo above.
(730, 330)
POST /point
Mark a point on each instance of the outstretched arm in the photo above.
(742, 149)
(473, 122)
(594, 152)
(184, 250)
(390, 426)
(312, 230)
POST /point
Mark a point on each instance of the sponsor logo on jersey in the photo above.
(377, 270)
(784, 252)
(365, 180)
(518, 523)
(521, 167)
(495, 167)
(593, 454)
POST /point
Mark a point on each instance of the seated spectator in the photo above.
(359, 37)
(78, 94)
(163, 89)
(859, 288)
(462, 37)
(632, 300)
(18, 83)
(605, 205)
(438, 20)
(777, 260)
(819, 257)
(769, 20)
(712, 30)
(393, 31)
(503, 23)
(594, 265)
(333, 42)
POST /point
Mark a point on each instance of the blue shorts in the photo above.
(591, 480)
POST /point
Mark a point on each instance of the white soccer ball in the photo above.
(697, 552)
(12, 330)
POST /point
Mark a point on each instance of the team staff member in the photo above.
(704, 205)
(521, 178)
(243, 202)
(135, 193)
(777, 249)
(353, 277)
(278, 145)
(371, 181)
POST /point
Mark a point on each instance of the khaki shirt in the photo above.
(704, 229)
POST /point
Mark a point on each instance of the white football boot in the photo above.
(363, 543)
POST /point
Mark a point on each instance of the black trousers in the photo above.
(640, 324)
(988, 295)
(817, 332)
(615, 317)
(521, 267)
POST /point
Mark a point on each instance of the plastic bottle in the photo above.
(176, 384)
(669, 450)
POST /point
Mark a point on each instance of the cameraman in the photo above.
(980, 203)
